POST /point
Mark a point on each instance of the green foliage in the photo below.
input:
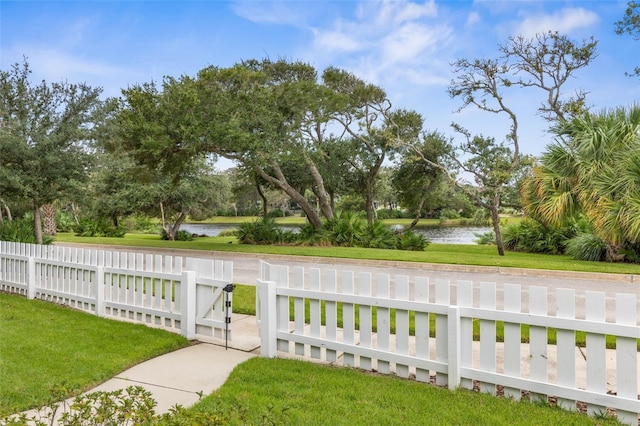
(587, 246)
(21, 231)
(533, 237)
(97, 228)
(181, 235)
(141, 223)
(412, 241)
(263, 231)
(448, 214)
(64, 221)
(488, 238)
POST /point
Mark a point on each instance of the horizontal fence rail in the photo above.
(179, 294)
(388, 324)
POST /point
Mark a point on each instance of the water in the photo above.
(441, 235)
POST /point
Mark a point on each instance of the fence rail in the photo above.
(383, 323)
(180, 294)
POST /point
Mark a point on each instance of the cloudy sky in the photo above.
(406, 47)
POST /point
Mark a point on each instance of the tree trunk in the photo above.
(37, 225)
(324, 199)
(281, 182)
(172, 230)
(265, 208)
(495, 221)
(49, 219)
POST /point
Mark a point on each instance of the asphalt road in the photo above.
(246, 267)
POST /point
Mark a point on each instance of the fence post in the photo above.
(454, 360)
(188, 308)
(31, 278)
(99, 291)
(268, 318)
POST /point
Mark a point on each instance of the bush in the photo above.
(533, 237)
(181, 235)
(587, 246)
(488, 238)
(97, 228)
(411, 241)
(21, 231)
(261, 231)
(379, 235)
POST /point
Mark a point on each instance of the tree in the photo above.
(545, 62)
(630, 24)
(418, 182)
(164, 175)
(372, 129)
(597, 173)
(254, 112)
(45, 131)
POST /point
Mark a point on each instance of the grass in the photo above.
(44, 345)
(458, 254)
(284, 391)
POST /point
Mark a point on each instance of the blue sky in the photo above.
(406, 47)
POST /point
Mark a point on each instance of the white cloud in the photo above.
(563, 21)
(385, 40)
(272, 12)
(473, 18)
(410, 41)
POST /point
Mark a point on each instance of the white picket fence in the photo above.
(184, 295)
(357, 331)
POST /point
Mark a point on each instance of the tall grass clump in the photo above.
(587, 246)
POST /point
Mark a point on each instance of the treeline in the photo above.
(320, 142)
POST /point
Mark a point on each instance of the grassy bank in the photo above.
(460, 254)
(44, 345)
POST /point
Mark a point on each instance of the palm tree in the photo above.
(593, 169)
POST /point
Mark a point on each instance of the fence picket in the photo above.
(488, 335)
(443, 296)
(464, 290)
(538, 339)
(512, 338)
(402, 324)
(626, 356)
(315, 319)
(331, 312)
(421, 294)
(566, 345)
(596, 349)
(366, 330)
(282, 303)
(348, 318)
(298, 308)
(383, 321)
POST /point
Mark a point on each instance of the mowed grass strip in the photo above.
(458, 254)
(285, 391)
(44, 345)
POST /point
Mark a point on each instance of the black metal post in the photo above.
(227, 319)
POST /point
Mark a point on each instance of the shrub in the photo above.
(261, 231)
(97, 228)
(181, 235)
(488, 238)
(533, 237)
(587, 246)
(21, 231)
(411, 241)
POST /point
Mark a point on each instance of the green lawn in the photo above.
(44, 345)
(459, 254)
(282, 391)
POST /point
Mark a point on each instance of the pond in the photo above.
(441, 234)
